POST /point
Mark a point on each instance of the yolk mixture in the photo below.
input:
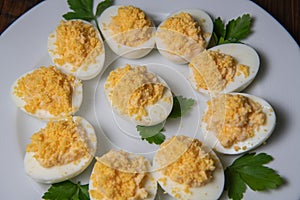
(133, 89)
(181, 34)
(184, 23)
(46, 88)
(59, 143)
(233, 118)
(147, 94)
(194, 167)
(76, 43)
(213, 70)
(115, 76)
(118, 176)
(131, 26)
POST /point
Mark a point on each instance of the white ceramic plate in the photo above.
(23, 46)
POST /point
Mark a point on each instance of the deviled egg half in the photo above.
(236, 122)
(187, 169)
(76, 48)
(61, 150)
(183, 35)
(122, 175)
(224, 68)
(47, 93)
(140, 96)
(128, 31)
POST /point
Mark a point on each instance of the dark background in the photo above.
(285, 11)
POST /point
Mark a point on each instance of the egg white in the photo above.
(150, 184)
(206, 25)
(82, 72)
(259, 138)
(209, 191)
(77, 96)
(157, 112)
(120, 49)
(243, 54)
(60, 173)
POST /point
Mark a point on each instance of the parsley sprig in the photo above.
(153, 134)
(249, 170)
(83, 9)
(67, 190)
(234, 31)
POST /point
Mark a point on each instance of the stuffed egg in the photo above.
(128, 31)
(122, 175)
(47, 93)
(138, 95)
(187, 169)
(61, 150)
(76, 48)
(183, 35)
(224, 68)
(235, 123)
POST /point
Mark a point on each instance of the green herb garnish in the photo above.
(153, 134)
(67, 190)
(249, 170)
(83, 9)
(235, 30)
(181, 106)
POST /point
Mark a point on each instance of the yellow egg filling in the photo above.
(59, 143)
(243, 69)
(117, 176)
(115, 76)
(129, 83)
(46, 88)
(185, 24)
(233, 118)
(213, 70)
(76, 43)
(131, 26)
(147, 94)
(194, 167)
(181, 34)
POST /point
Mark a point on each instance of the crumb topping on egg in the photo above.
(194, 167)
(213, 70)
(115, 76)
(131, 26)
(181, 34)
(233, 118)
(130, 83)
(46, 88)
(147, 94)
(243, 69)
(59, 143)
(185, 24)
(76, 43)
(118, 175)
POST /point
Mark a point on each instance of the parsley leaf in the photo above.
(219, 30)
(156, 139)
(102, 6)
(234, 31)
(83, 9)
(249, 170)
(152, 134)
(181, 106)
(67, 190)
